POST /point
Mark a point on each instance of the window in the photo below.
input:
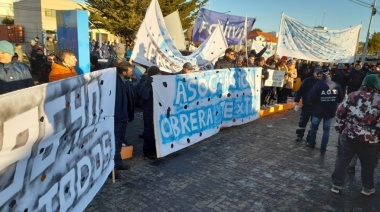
(50, 13)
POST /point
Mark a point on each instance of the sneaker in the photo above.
(351, 169)
(368, 192)
(336, 189)
(298, 139)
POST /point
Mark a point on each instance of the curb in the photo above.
(276, 109)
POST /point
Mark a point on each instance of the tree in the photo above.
(7, 20)
(124, 17)
(257, 29)
(374, 43)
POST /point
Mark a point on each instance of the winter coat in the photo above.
(224, 63)
(304, 90)
(14, 76)
(358, 116)
(60, 71)
(325, 95)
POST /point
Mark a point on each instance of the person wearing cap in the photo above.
(227, 61)
(145, 91)
(324, 96)
(357, 121)
(64, 67)
(307, 107)
(14, 75)
(31, 50)
(187, 68)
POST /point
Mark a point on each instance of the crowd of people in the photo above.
(350, 93)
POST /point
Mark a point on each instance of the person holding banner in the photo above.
(227, 61)
(145, 91)
(187, 68)
(14, 75)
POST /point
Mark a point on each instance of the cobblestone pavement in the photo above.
(254, 167)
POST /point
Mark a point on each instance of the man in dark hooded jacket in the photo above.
(145, 91)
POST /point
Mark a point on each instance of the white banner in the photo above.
(275, 78)
(154, 46)
(303, 42)
(191, 107)
(174, 27)
(57, 143)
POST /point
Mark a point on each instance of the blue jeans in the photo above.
(314, 128)
(368, 156)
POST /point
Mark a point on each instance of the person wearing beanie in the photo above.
(357, 121)
(145, 91)
(187, 68)
(64, 67)
(14, 75)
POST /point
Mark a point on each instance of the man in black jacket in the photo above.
(14, 75)
(227, 61)
(307, 107)
(325, 95)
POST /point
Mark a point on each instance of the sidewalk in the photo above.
(253, 167)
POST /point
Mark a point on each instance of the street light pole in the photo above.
(373, 13)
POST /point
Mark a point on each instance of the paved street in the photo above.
(253, 167)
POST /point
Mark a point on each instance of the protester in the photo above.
(281, 91)
(55, 43)
(94, 64)
(14, 75)
(227, 61)
(187, 68)
(45, 69)
(38, 43)
(355, 78)
(307, 107)
(292, 76)
(144, 90)
(37, 61)
(358, 124)
(118, 54)
(49, 46)
(251, 60)
(124, 113)
(31, 50)
(64, 67)
(239, 63)
(96, 52)
(18, 51)
(266, 91)
(324, 96)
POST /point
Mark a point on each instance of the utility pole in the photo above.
(373, 13)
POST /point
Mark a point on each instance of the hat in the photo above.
(372, 80)
(153, 70)
(40, 49)
(188, 66)
(318, 69)
(284, 58)
(6, 47)
(239, 58)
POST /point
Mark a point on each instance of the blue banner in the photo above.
(233, 26)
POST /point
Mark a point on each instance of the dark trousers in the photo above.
(305, 116)
(120, 128)
(265, 95)
(149, 147)
(282, 95)
(368, 156)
